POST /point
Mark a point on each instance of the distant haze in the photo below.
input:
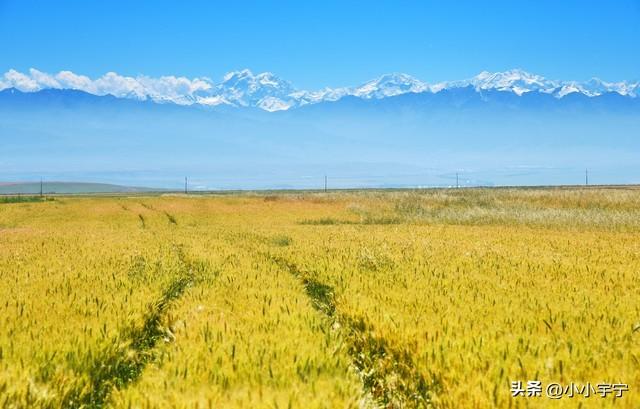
(487, 136)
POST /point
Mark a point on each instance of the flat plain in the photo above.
(427, 298)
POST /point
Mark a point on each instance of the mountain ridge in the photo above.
(268, 92)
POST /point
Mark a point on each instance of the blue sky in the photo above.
(328, 43)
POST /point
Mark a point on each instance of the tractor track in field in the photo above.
(124, 360)
(388, 374)
(170, 217)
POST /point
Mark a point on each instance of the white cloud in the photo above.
(74, 81)
(43, 79)
(177, 89)
(180, 90)
(119, 86)
(23, 82)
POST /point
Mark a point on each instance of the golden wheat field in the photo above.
(430, 298)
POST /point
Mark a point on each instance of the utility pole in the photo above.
(185, 185)
(457, 182)
(325, 183)
(586, 177)
(40, 187)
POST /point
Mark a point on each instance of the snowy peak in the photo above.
(235, 76)
(385, 86)
(596, 86)
(265, 90)
(520, 82)
(247, 81)
(313, 97)
(389, 85)
(517, 81)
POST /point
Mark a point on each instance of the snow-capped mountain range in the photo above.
(268, 92)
